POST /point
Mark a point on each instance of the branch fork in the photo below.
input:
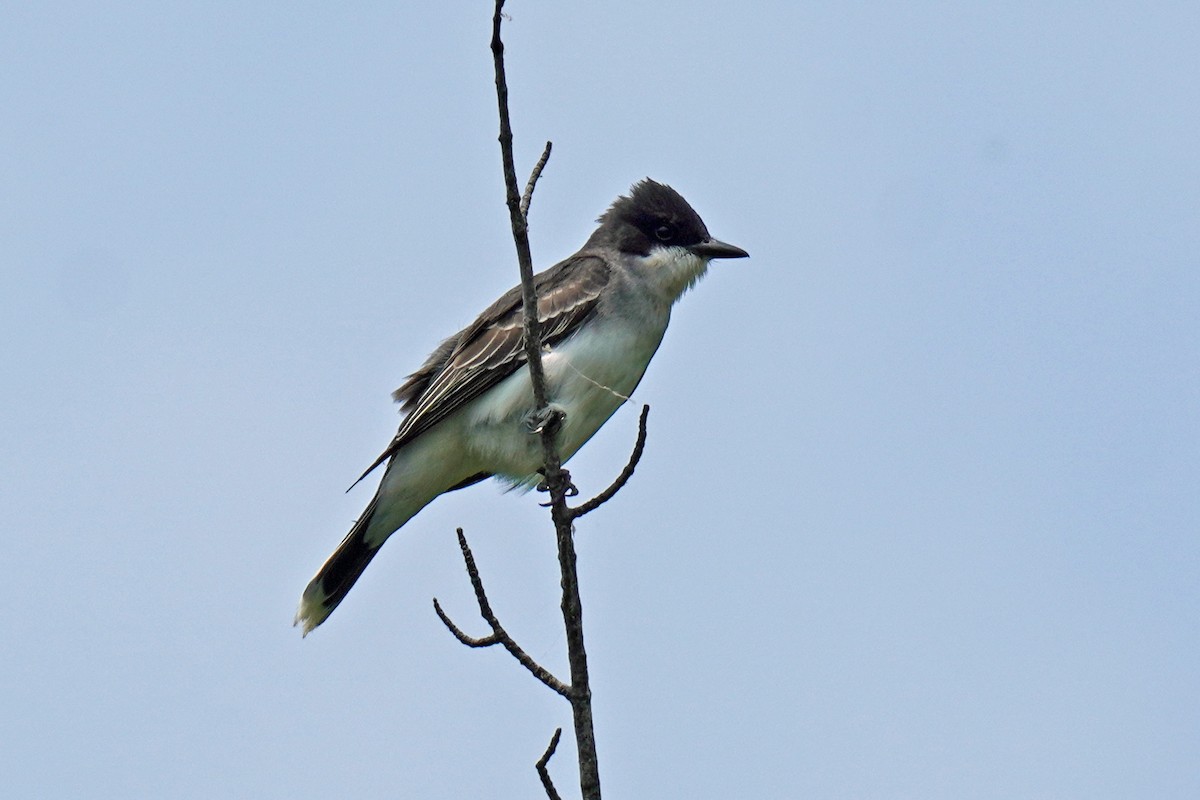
(498, 635)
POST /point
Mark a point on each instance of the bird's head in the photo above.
(654, 224)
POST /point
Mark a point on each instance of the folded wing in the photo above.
(491, 348)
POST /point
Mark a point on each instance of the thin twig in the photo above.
(520, 231)
(499, 635)
(527, 198)
(520, 228)
(627, 473)
(469, 641)
(544, 773)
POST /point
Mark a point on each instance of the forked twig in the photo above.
(544, 773)
(469, 641)
(498, 635)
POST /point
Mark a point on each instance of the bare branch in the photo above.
(527, 198)
(579, 692)
(627, 473)
(544, 773)
(499, 635)
(520, 229)
(469, 641)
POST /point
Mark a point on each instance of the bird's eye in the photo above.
(665, 233)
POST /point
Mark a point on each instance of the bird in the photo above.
(469, 412)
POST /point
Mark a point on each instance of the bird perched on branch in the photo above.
(469, 409)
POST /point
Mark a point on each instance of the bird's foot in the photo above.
(543, 486)
(537, 421)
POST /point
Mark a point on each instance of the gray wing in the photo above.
(491, 348)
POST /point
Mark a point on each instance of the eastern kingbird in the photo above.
(603, 313)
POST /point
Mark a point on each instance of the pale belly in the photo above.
(589, 378)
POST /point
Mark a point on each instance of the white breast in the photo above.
(589, 376)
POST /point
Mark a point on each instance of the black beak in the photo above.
(714, 248)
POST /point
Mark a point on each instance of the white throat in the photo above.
(670, 271)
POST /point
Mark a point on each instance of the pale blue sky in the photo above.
(918, 516)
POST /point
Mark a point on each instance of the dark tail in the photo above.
(335, 578)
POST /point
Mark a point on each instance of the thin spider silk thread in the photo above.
(623, 398)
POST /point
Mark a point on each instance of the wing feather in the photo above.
(491, 348)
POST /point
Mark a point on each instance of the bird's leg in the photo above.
(537, 422)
